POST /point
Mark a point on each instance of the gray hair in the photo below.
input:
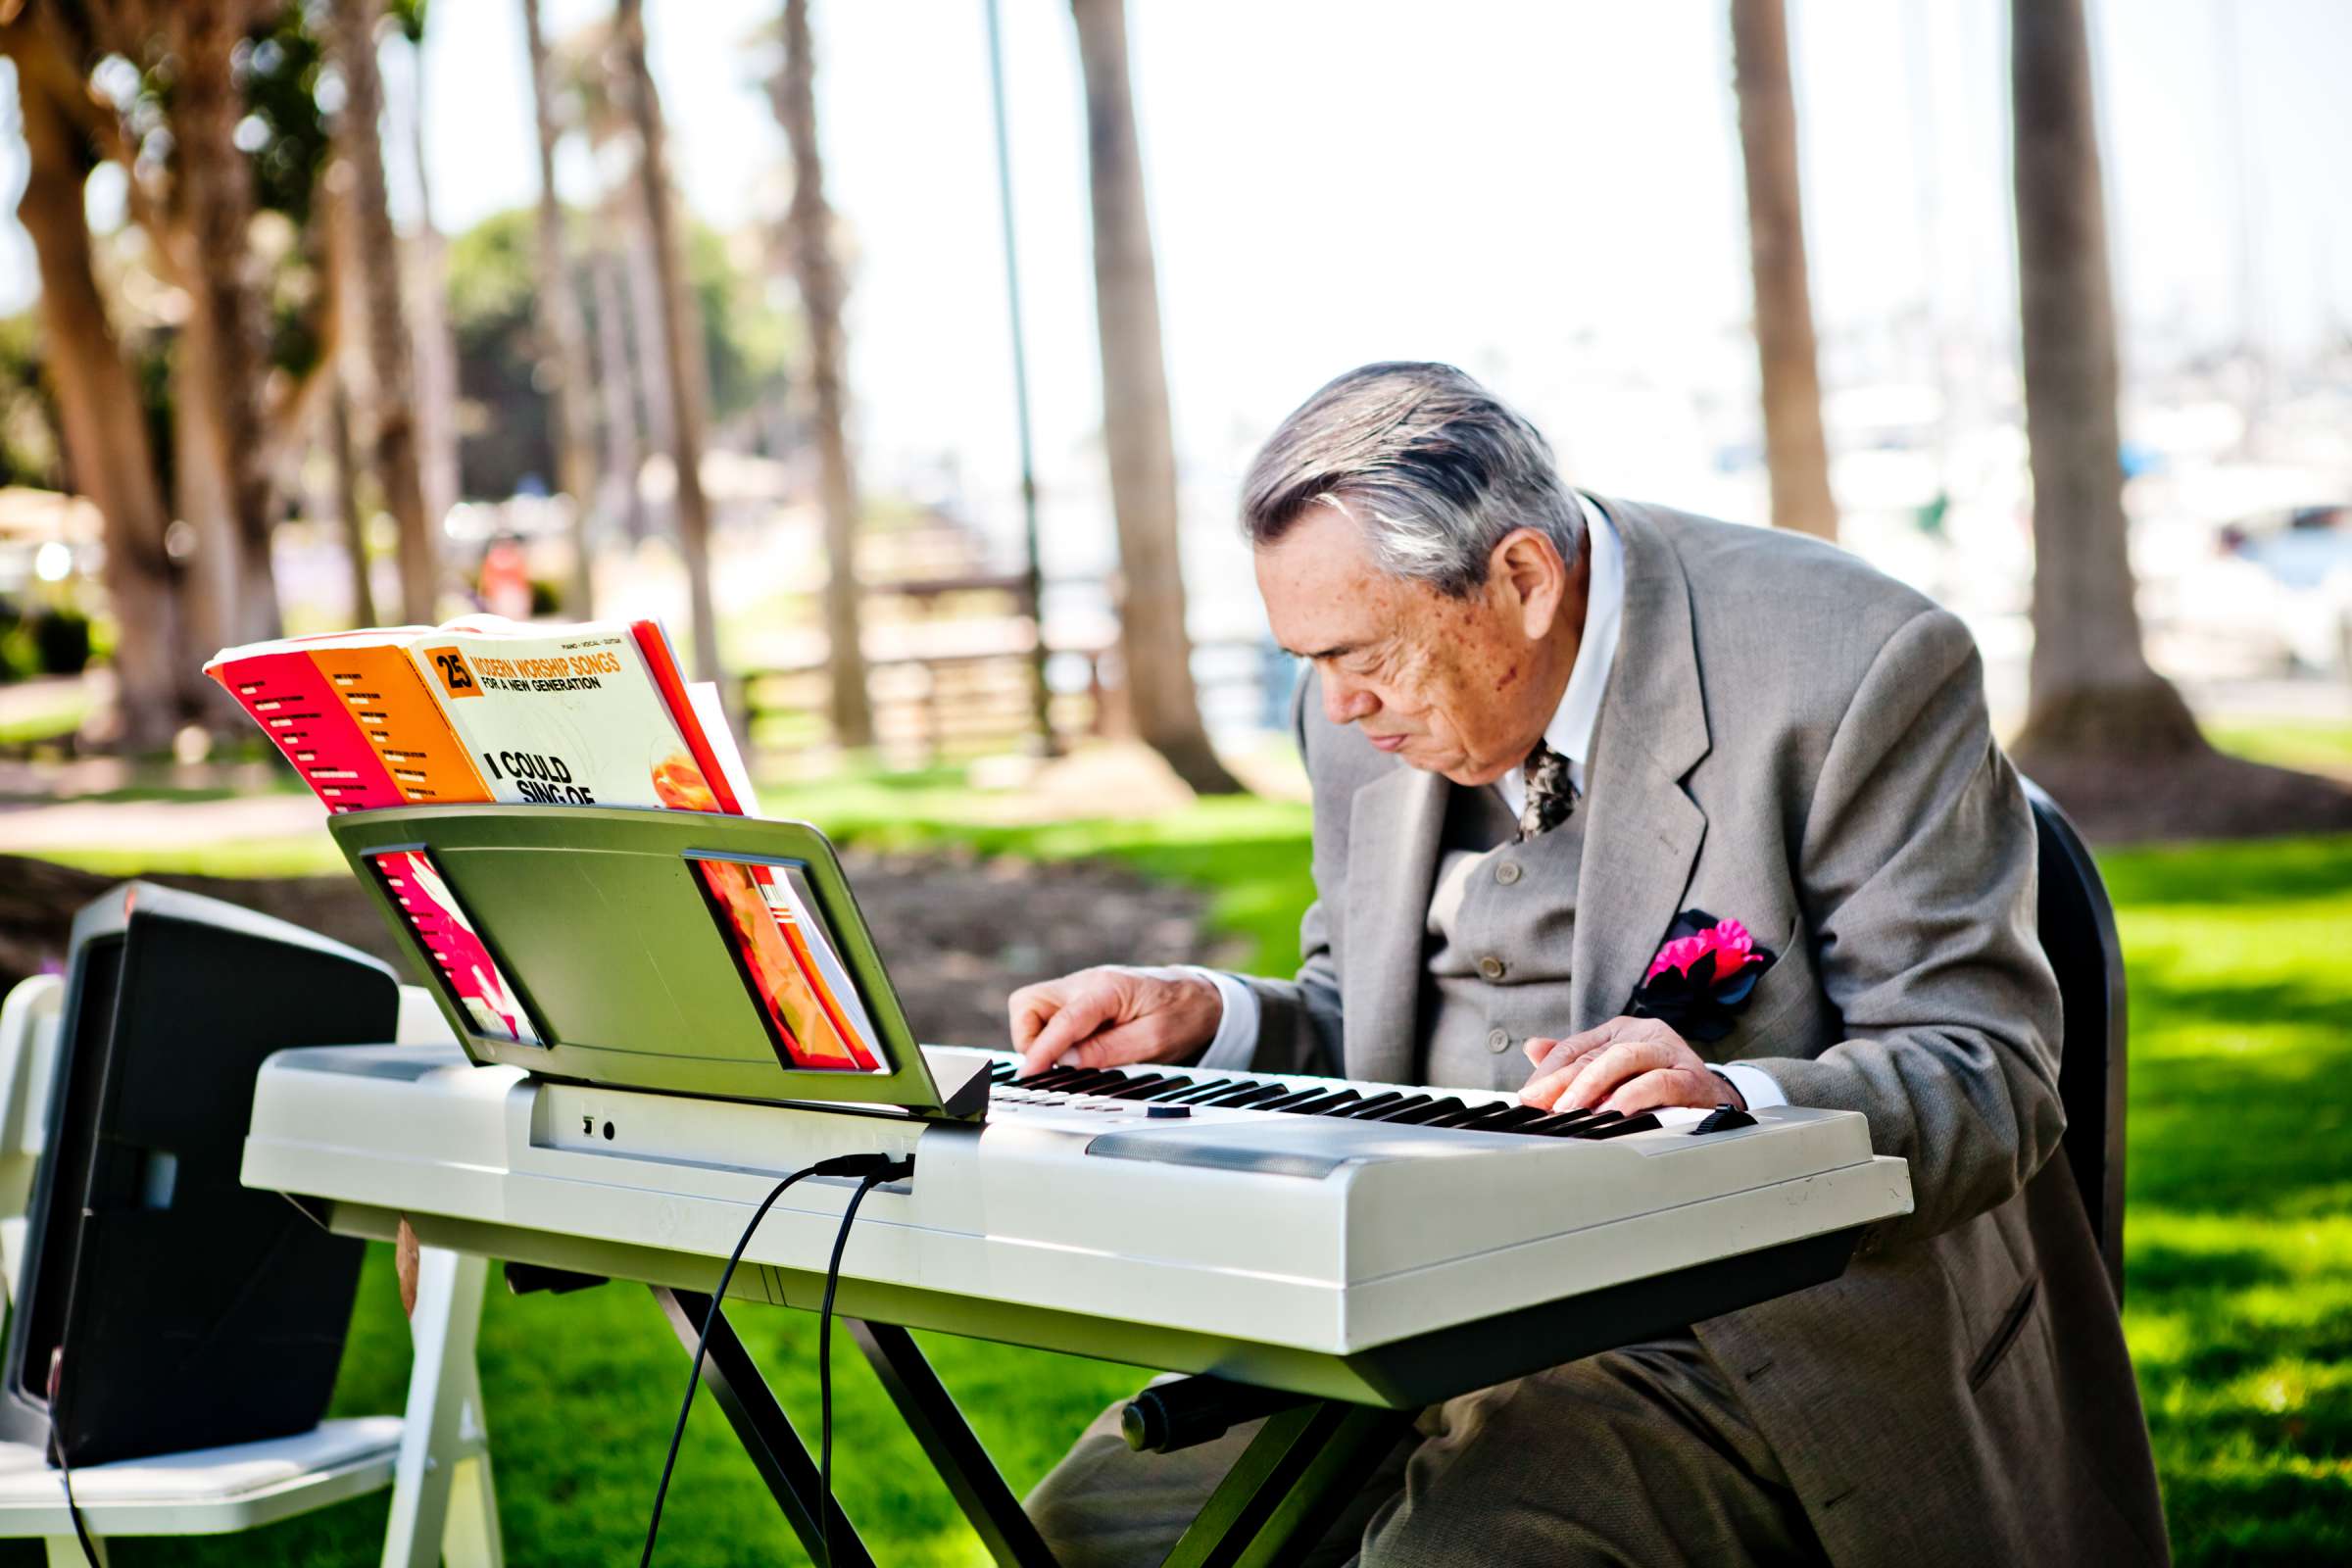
(1434, 465)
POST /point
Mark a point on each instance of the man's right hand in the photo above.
(1111, 1015)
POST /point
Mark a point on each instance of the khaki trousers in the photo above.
(1640, 1456)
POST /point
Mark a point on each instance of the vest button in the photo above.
(1491, 968)
(1508, 872)
(1499, 1041)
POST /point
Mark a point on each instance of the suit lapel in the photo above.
(1394, 828)
(1642, 833)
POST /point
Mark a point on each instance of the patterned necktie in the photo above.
(1550, 794)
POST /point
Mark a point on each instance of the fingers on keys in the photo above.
(1599, 1068)
(1110, 1016)
(1052, 1017)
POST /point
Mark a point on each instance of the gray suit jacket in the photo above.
(1795, 741)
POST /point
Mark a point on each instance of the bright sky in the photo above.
(1548, 194)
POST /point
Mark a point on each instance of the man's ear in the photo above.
(1527, 570)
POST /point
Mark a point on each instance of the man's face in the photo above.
(1461, 687)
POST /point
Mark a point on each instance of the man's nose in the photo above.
(1343, 703)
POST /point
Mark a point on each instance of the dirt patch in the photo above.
(958, 933)
(2200, 795)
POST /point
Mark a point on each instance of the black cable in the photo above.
(872, 1170)
(57, 1450)
(824, 1359)
(694, 1374)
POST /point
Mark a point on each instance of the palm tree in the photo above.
(344, 460)
(617, 378)
(427, 274)
(219, 397)
(375, 253)
(681, 330)
(2090, 683)
(1794, 452)
(105, 427)
(564, 339)
(2104, 732)
(808, 234)
(1154, 648)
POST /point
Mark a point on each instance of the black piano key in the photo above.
(1322, 1101)
(1176, 1088)
(1092, 1081)
(998, 1071)
(1135, 1088)
(1468, 1115)
(1565, 1124)
(1511, 1117)
(1052, 1077)
(1408, 1102)
(1620, 1127)
(1246, 1095)
(1363, 1106)
(1294, 1097)
(1204, 1088)
(1422, 1115)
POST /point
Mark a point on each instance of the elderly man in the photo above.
(1540, 727)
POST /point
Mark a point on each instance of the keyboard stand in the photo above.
(1285, 1490)
(760, 1426)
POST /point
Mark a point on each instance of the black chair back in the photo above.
(2077, 936)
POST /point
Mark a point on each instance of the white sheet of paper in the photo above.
(703, 695)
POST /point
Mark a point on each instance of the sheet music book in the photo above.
(487, 710)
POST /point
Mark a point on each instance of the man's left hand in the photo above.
(1627, 1064)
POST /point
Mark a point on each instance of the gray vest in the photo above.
(1500, 927)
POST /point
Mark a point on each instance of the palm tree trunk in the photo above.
(435, 340)
(225, 334)
(564, 339)
(1794, 451)
(378, 256)
(105, 427)
(646, 329)
(347, 505)
(681, 333)
(2091, 690)
(807, 228)
(1155, 648)
(618, 381)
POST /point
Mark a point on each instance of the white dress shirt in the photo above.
(1570, 733)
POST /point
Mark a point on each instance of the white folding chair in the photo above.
(435, 1457)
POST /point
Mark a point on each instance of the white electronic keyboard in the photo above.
(1366, 1243)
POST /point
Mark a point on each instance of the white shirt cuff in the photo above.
(1236, 1042)
(1754, 1084)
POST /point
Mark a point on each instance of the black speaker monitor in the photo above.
(174, 1308)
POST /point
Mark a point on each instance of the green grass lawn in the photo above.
(2239, 1233)
(2320, 745)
